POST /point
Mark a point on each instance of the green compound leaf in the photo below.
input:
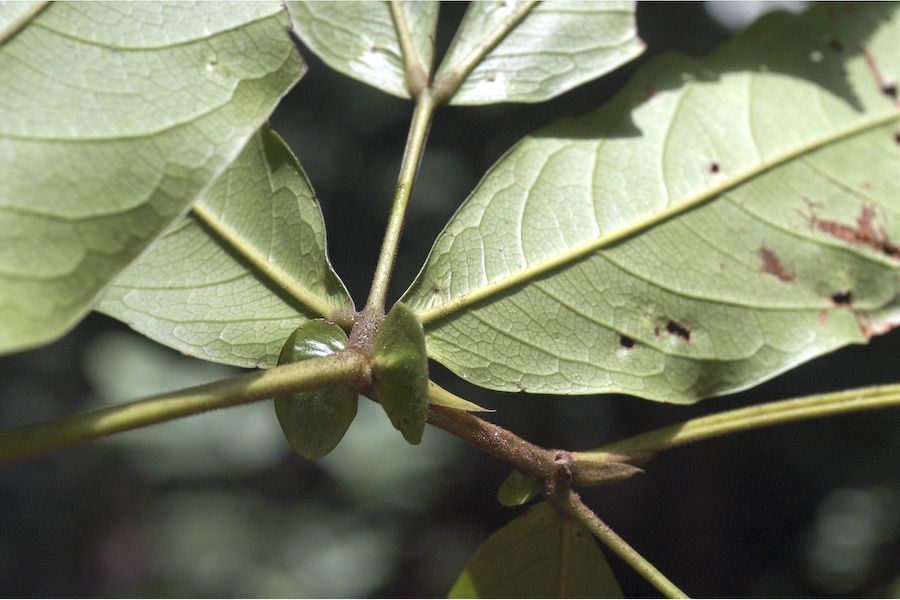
(314, 421)
(401, 372)
(715, 224)
(360, 40)
(555, 47)
(241, 271)
(538, 555)
(116, 116)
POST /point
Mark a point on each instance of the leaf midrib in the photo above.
(467, 299)
(261, 263)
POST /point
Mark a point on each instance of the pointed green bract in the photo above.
(360, 40)
(556, 46)
(253, 248)
(538, 555)
(314, 421)
(116, 116)
(715, 224)
(401, 372)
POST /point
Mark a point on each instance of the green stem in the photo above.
(495, 440)
(415, 143)
(762, 415)
(346, 368)
(416, 74)
(573, 505)
(21, 21)
(448, 80)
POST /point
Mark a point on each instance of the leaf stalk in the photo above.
(572, 505)
(345, 368)
(751, 417)
(412, 156)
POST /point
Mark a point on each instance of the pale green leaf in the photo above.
(555, 47)
(248, 265)
(538, 555)
(717, 223)
(360, 40)
(517, 489)
(113, 118)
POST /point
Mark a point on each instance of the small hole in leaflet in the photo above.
(682, 330)
(890, 90)
(842, 298)
(714, 167)
(626, 342)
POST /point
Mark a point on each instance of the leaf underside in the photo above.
(715, 224)
(116, 116)
(359, 39)
(557, 46)
(538, 555)
(248, 265)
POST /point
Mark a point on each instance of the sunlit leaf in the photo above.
(233, 279)
(555, 47)
(115, 117)
(538, 555)
(360, 39)
(715, 224)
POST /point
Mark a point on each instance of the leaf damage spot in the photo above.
(773, 266)
(823, 316)
(888, 88)
(870, 329)
(714, 167)
(897, 137)
(842, 298)
(682, 330)
(626, 342)
(863, 234)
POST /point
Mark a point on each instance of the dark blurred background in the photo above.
(218, 505)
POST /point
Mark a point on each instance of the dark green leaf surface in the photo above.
(233, 279)
(314, 421)
(538, 555)
(715, 224)
(401, 372)
(115, 117)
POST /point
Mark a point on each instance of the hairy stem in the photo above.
(345, 368)
(572, 505)
(415, 143)
(762, 415)
(495, 440)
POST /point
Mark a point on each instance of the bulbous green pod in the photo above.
(401, 372)
(314, 421)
